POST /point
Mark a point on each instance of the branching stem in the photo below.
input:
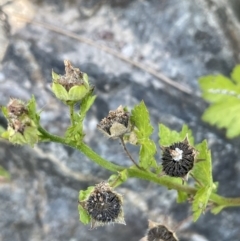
(128, 154)
(169, 182)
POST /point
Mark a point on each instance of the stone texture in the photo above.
(182, 39)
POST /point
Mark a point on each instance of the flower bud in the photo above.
(73, 86)
(104, 205)
(116, 124)
(178, 159)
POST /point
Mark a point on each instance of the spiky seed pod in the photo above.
(178, 159)
(159, 232)
(116, 124)
(104, 206)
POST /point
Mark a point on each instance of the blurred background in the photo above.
(129, 48)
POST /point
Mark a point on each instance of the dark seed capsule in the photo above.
(104, 206)
(160, 233)
(116, 123)
(178, 159)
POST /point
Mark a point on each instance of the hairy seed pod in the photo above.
(16, 108)
(159, 232)
(116, 124)
(178, 159)
(104, 205)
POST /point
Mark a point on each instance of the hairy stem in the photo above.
(84, 149)
(169, 182)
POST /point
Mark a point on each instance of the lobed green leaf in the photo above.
(202, 172)
(200, 201)
(225, 114)
(224, 94)
(167, 136)
(141, 120)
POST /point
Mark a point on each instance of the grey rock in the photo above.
(181, 39)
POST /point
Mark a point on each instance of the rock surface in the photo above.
(181, 39)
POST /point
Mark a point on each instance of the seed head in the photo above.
(21, 127)
(73, 86)
(72, 77)
(16, 113)
(159, 232)
(104, 206)
(16, 108)
(178, 159)
(116, 124)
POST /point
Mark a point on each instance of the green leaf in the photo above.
(16, 138)
(84, 194)
(75, 132)
(83, 215)
(147, 152)
(32, 112)
(182, 197)
(236, 74)
(31, 135)
(4, 111)
(5, 134)
(77, 92)
(167, 137)
(3, 173)
(202, 172)
(200, 201)
(141, 120)
(217, 87)
(55, 76)
(60, 92)
(225, 114)
(86, 103)
(117, 179)
(224, 94)
(217, 209)
(85, 80)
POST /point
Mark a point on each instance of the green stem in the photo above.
(84, 149)
(71, 110)
(170, 183)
